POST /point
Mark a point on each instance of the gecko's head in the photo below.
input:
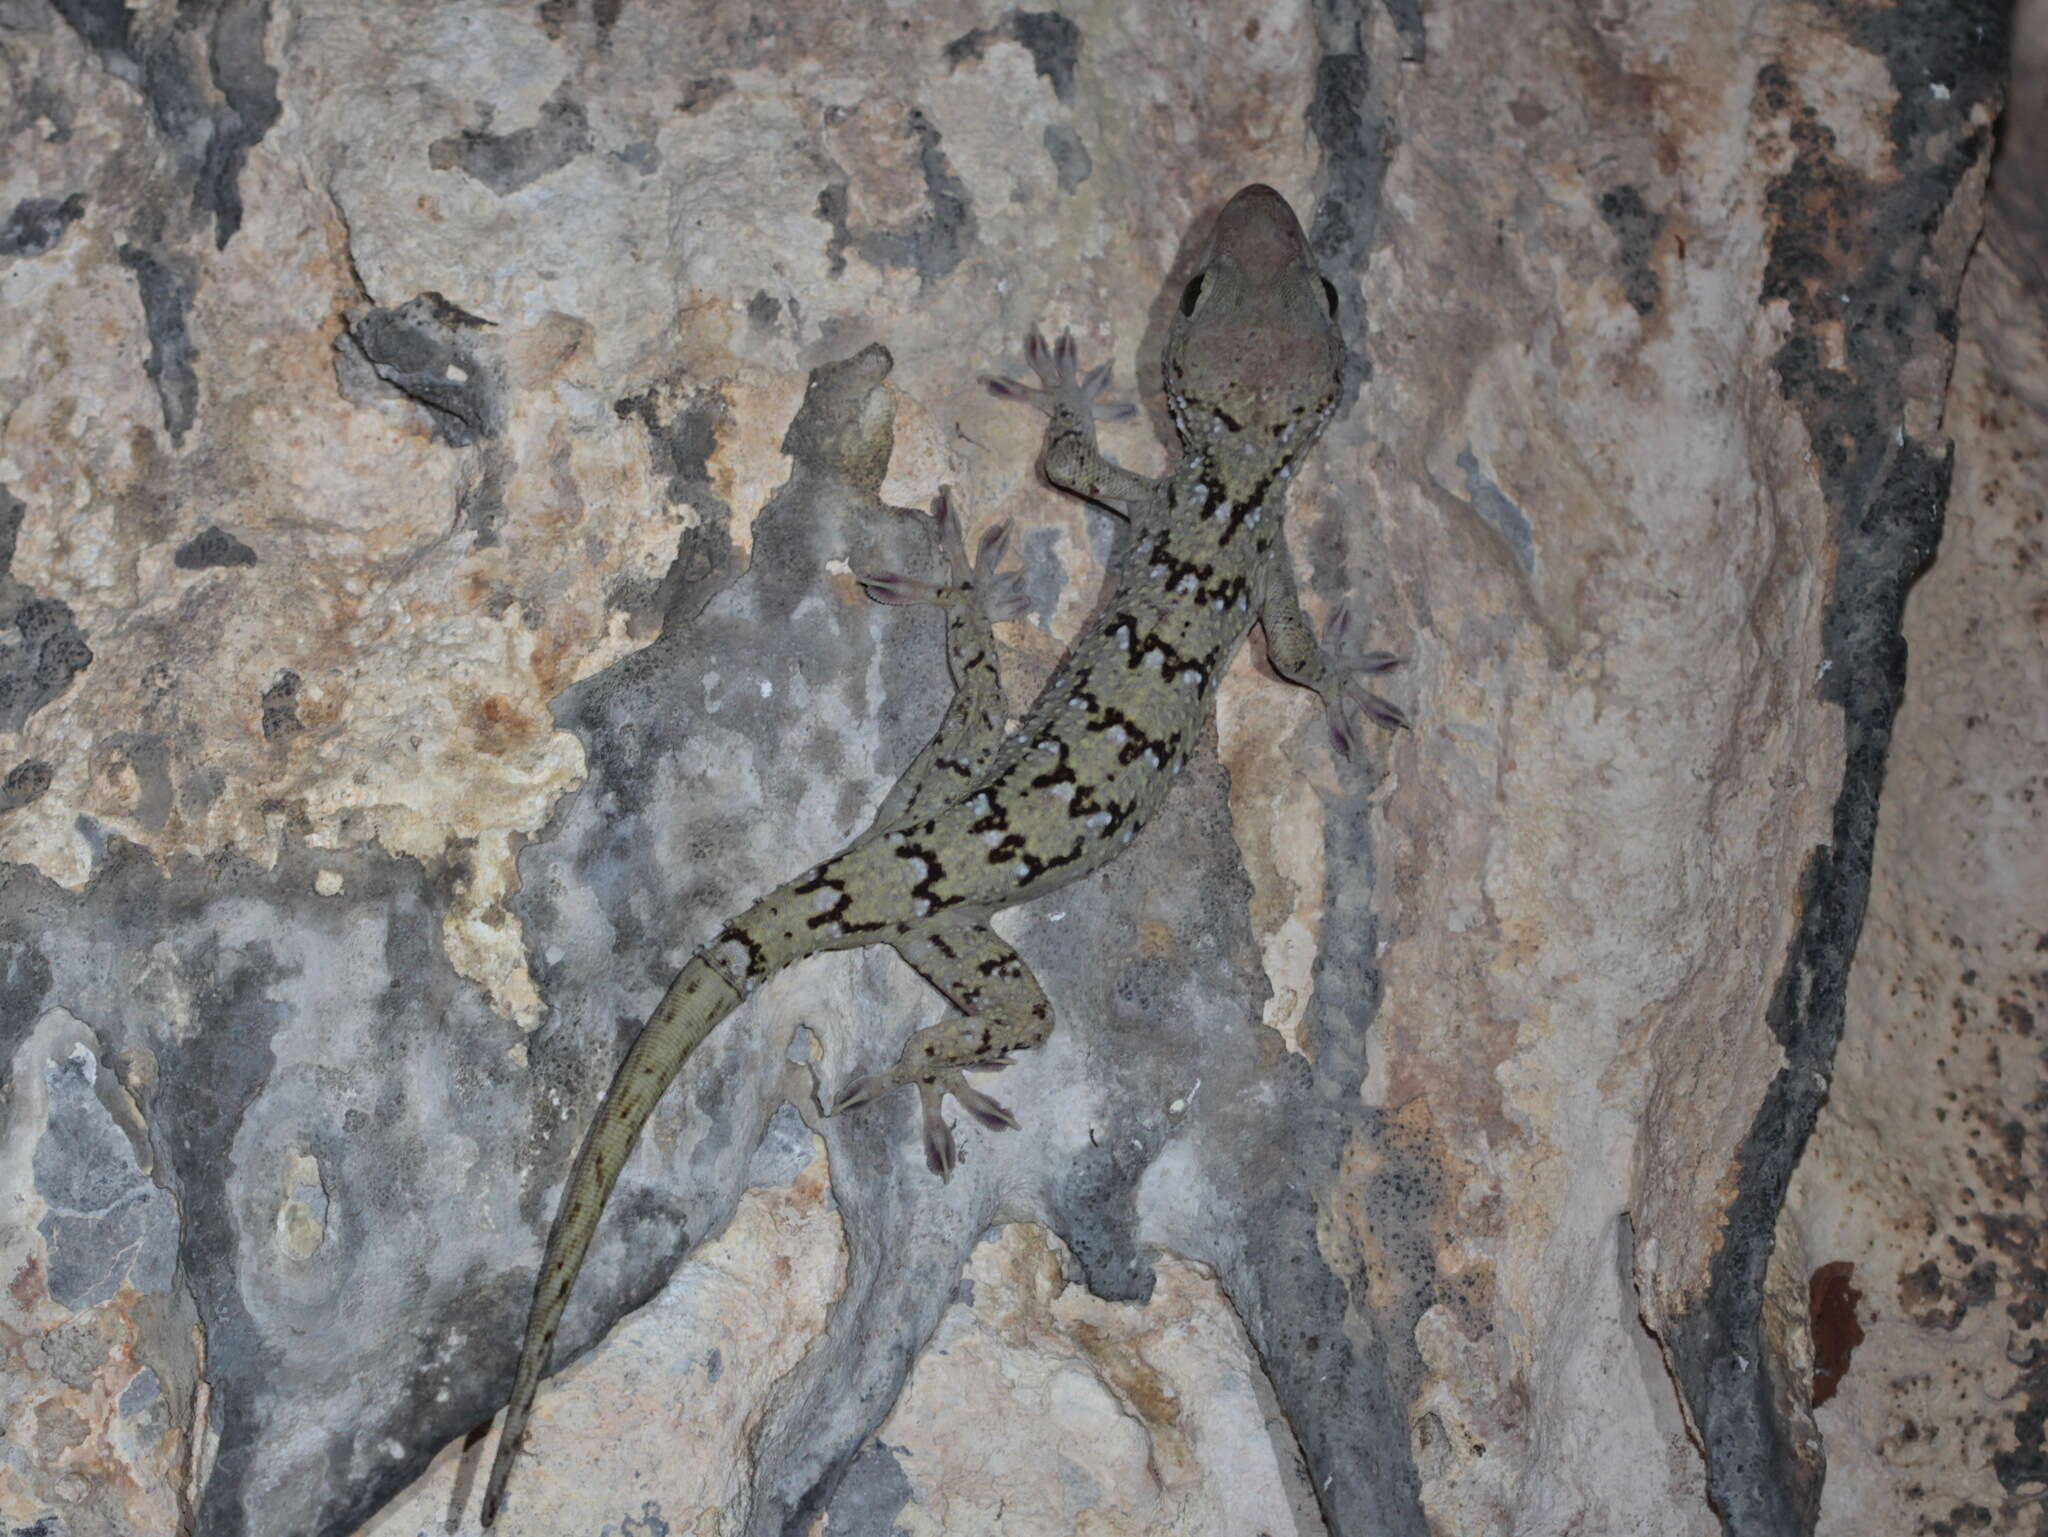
(1254, 356)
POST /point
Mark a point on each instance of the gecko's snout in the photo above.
(1257, 231)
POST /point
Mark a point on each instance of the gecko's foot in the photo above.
(1001, 592)
(1349, 696)
(940, 1152)
(1064, 384)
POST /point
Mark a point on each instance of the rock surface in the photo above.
(435, 446)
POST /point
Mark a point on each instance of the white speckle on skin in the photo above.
(1222, 511)
(980, 802)
(825, 899)
(1186, 583)
(923, 907)
(1191, 676)
(1251, 519)
(767, 688)
(1200, 495)
(1078, 702)
(1217, 604)
(1063, 791)
(1156, 660)
(1100, 821)
(1023, 872)
(922, 866)
(1158, 573)
(1117, 736)
(1243, 602)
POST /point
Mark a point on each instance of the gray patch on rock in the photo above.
(643, 155)
(37, 663)
(210, 547)
(166, 298)
(933, 243)
(25, 782)
(1636, 230)
(426, 348)
(108, 1223)
(682, 425)
(280, 720)
(38, 223)
(1052, 40)
(48, 651)
(871, 1495)
(1070, 158)
(783, 1152)
(505, 162)
(1497, 511)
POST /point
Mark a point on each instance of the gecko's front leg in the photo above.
(1074, 402)
(1292, 648)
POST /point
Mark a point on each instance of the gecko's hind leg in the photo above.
(1002, 1010)
(1327, 667)
(975, 596)
(1074, 403)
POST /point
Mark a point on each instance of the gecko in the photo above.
(986, 817)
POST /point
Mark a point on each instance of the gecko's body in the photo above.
(984, 820)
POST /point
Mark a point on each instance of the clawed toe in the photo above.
(1055, 365)
(862, 1090)
(892, 587)
(941, 1152)
(1382, 712)
(977, 1104)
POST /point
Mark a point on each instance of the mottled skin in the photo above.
(985, 820)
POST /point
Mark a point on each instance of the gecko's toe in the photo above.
(941, 1155)
(990, 549)
(1383, 712)
(861, 1091)
(1040, 356)
(1011, 389)
(977, 1104)
(1350, 696)
(1005, 597)
(891, 587)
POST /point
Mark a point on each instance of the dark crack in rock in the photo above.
(166, 301)
(201, 68)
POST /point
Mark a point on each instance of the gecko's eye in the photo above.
(1329, 296)
(1191, 295)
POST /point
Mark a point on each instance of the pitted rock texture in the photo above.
(436, 443)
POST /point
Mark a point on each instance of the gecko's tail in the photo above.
(695, 1002)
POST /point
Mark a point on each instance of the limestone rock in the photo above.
(436, 442)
